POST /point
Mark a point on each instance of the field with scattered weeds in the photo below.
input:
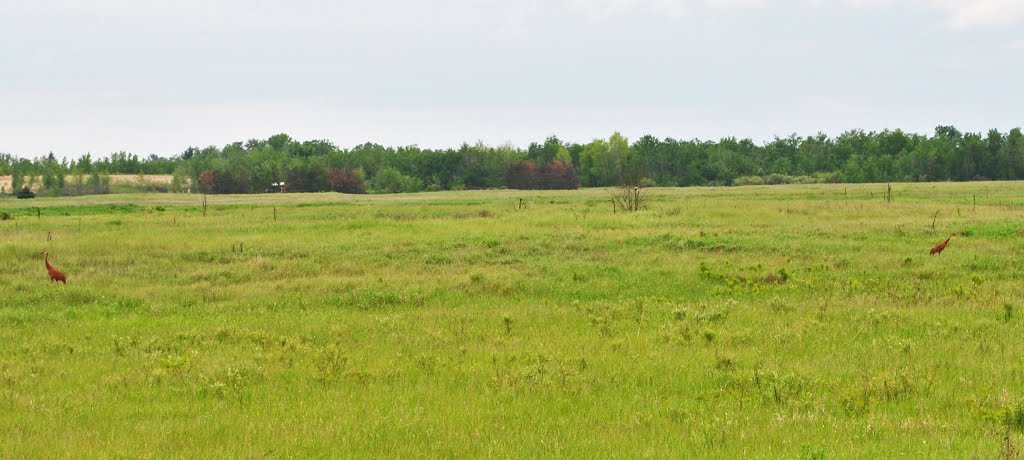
(766, 322)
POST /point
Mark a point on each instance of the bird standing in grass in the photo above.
(941, 246)
(55, 275)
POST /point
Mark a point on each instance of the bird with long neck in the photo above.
(941, 246)
(55, 274)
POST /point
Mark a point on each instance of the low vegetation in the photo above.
(793, 321)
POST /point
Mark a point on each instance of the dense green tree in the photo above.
(319, 165)
(17, 176)
(596, 168)
(391, 180)
(1012, 154)
(545, 153)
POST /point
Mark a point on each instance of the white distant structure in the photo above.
(278, 185)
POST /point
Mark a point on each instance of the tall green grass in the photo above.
(803, 321)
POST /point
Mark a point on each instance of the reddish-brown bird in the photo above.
(55, 275)
(939, 247)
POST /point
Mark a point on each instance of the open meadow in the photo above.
(802, 321)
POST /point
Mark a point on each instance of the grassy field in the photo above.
(768, 322)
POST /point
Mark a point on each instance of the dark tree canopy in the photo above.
(319, 165)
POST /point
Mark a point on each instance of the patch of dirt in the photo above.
(134, 178)
(5, 181)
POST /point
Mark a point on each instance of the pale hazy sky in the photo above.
(156, 77)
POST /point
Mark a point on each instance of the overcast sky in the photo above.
(102, 76)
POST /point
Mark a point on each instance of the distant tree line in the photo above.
(319, 165)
